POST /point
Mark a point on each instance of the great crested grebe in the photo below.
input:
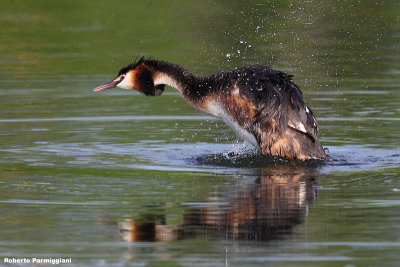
(263, 106)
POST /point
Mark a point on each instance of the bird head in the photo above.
(137, 76)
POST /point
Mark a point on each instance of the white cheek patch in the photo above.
(126, 82)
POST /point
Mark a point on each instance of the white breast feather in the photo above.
(216, 110)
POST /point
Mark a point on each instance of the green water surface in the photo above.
(115, 178)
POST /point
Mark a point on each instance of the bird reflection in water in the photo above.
(256, 208)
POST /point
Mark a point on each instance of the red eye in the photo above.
(122, 77)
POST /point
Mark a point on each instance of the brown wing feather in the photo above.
(304, 121)
(277, 98)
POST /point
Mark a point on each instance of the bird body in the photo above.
(263, 106)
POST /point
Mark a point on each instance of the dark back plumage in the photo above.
(278, 98)
(272, 92)
(280, 111)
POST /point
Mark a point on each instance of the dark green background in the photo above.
(70, 158)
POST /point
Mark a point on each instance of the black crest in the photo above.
(131, 66)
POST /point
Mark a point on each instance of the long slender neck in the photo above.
(193, 88)
(173, 75)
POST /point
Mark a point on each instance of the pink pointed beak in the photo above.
(109, 85)
(106, 86)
